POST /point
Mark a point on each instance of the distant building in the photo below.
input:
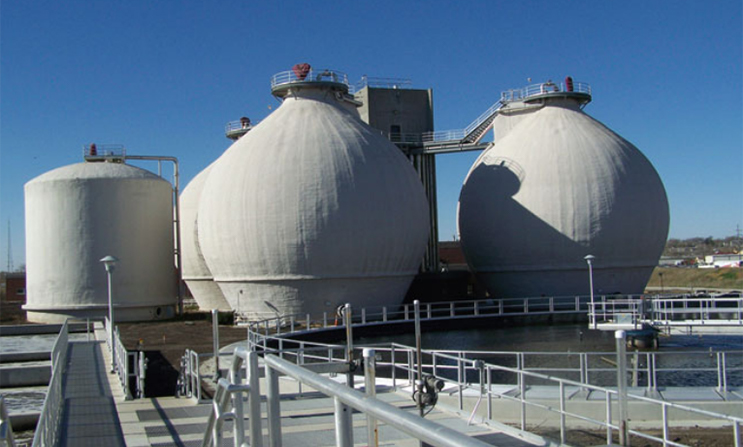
(723, 260)
(15, 287)
(666, 261)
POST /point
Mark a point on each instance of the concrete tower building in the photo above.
(558, 185)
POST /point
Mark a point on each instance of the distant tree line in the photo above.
(702, 246)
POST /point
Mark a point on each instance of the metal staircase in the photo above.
(480, 126)
(461, 139)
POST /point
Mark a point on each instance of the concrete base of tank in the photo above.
(259, 300)
(514, 283)
(207, 294)
(121, 313)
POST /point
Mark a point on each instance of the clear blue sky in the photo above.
(164, 77)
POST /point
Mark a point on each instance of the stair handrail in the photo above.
(463, 134)
(230, 391)
(47, 429)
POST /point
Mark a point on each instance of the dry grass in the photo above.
(696, 278)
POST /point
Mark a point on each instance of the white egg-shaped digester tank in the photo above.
(559, 186)
(312, 209)
(196, 273)
(78, 214)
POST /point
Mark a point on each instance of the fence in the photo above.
(467, 373)
(320, 75)
(189, 379)
(286, 324)
(230, 392)
(463, 372)
(667, 312)
(543, 88)
(130, 367)
(47, 429)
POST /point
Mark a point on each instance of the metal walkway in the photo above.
(89, 416)
(307, 420)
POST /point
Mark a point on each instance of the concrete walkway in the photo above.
(89, 417)
(306, 420)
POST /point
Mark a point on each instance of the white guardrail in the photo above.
(129, 366)
(542, 88)
(466, 373)
(429, 311)
(314, 75)
(228, 405)
(190, 377)
(666, 312)
(47, 429)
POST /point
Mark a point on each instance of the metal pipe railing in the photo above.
(314, 75)
(419, 428)
(430, 311)
(47, 429)
(127, 365)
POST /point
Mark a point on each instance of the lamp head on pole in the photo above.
(109, 261)
(589, 258)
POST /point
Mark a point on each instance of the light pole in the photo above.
(592, 312)
(110, 262)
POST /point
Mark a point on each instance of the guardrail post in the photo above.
(489, 381)
(584, 367)
(370, 379)
(343, 424)
(562, 412)
(309, 322)
(460, 378)
(215, 343)
(393, 361)
(411, 367)
(722, 384)
(451, 309)
(363, 315)
(141, 375)
(254, 401)
(349, 342)
(197, 375)
(609, 434)
(384, 313)
(664, 410)
(621, 345)
(273, 403)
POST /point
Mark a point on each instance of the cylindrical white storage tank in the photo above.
(559, 186)
(312, 209)
(196, 273)
(78, 214)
